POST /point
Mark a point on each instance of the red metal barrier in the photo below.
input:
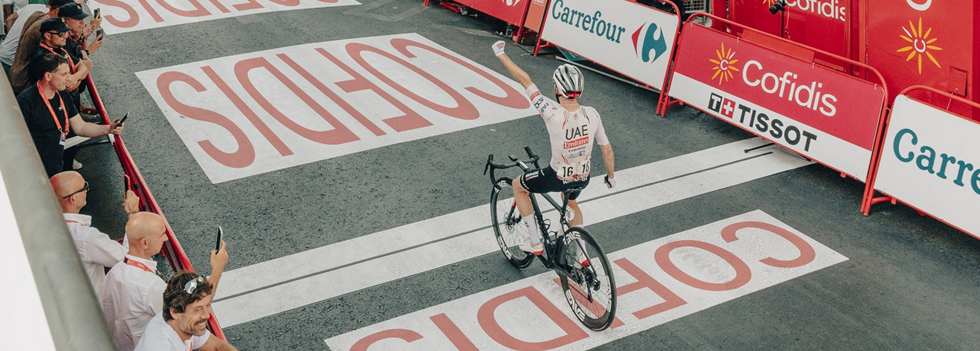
(171, 249)
(834, 116)
(903, 107)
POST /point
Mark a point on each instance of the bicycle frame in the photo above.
(551, 243)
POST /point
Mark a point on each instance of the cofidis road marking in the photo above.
(122, 16)
(658, 281)
(259, 112)
(293, 281)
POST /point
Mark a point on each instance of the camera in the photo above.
(780, 5)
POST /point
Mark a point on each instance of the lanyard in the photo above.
(51, 109)
(137, 264)
(64, 53)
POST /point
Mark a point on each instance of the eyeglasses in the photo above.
(191, 286)
(83, 189)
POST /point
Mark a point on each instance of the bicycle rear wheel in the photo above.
(591, 289)
(507, 224)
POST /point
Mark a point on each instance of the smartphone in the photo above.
(124, 118)
(125, 185)
(99, 33)
(221, 235)
(97, 13)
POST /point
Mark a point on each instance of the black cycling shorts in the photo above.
(545, 180)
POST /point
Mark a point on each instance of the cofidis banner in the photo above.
(822, 114)
(631, 39)
(931, 160)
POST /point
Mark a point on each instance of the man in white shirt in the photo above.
(183, 323)
(133, 292)
(95, 248)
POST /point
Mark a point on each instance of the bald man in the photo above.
(95, 248)
(133, 292)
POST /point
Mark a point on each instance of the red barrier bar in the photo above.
(869, 198)
(796, 52)
(171, 249)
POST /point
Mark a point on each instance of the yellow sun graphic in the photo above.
(768, 2)
(725, 65)
(920, 44)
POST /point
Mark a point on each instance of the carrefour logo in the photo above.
(724, 65)
(921, 44)
(647, 38)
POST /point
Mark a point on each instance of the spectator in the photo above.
(183, 323)
(50, 113)
(55, 32)
(18, 22)
(133, 293)
(95, 248)
(29, 41)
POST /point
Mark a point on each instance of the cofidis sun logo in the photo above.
(511, 2)
(724, 65)
(921, 44)
(649, 37)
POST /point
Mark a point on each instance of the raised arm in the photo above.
(519, 75)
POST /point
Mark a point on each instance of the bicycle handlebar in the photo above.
(491, 166)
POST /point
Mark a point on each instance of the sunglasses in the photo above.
(83, 189)
(191, 286)
(60, 34)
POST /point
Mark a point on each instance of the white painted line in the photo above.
(307, 277)
(29, 331)
(657, 282)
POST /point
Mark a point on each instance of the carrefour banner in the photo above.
(510, 11)
(632, 39)
(822, 114)
(931, 160)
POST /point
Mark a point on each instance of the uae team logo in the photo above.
(724, 64)
(647, 38)
(921, 44)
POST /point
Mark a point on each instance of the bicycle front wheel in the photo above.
(591, 289)
(507, 224)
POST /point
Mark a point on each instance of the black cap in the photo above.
(71, 10)
(56, 24)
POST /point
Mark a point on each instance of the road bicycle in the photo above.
(584, 271)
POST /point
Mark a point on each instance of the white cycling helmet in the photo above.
(569, 81)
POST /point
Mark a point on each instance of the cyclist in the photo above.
(571, 129)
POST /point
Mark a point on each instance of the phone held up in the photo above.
(221, 235)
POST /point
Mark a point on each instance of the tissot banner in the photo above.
(820, 113)
(931, 160)
(632, 39)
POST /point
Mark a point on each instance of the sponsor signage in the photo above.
(931, 160)
(510, 11)
(817, 112)
(264, 111)
(128, 15)
(632, 39)
(657, 282)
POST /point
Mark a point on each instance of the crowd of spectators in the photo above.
(46, 53)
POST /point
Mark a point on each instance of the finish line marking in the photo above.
(300, 279)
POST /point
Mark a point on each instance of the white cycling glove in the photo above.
(498, 47)
(610, 183)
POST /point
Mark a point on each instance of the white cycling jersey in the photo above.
(571, 134)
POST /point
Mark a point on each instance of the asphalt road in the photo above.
(909, 282)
